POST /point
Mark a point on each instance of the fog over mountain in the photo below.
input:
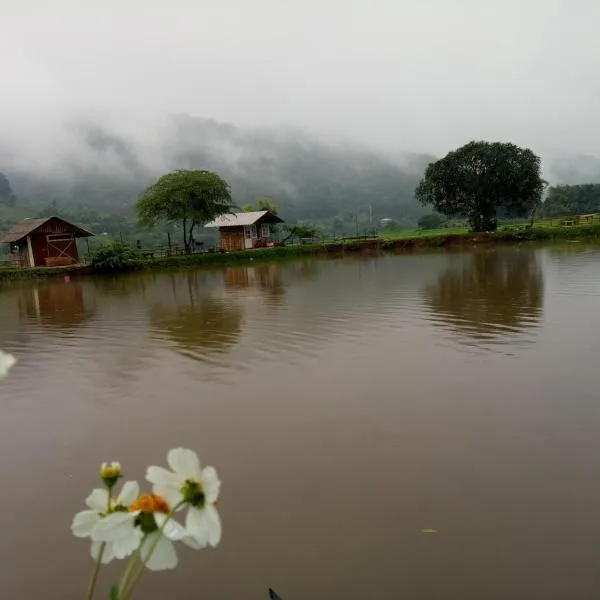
(105, 166)
(326, 106)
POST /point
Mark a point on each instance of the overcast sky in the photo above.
(421, 75)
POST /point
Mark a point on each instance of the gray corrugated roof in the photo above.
(240, 219)
(27, 226)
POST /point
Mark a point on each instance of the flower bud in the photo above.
(110, 473)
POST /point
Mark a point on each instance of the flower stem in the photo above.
(126, 595)
(129, 568)
(96, 571)
(94, 577)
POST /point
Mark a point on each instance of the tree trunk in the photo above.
(483, 222)
(189, 248)
(185, 241)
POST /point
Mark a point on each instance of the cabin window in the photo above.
(264, 230)
(59, 237)
(248, 233)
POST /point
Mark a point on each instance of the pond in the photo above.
(419, 426)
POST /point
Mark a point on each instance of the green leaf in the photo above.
(114, 592)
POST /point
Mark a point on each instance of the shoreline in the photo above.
(452, 241)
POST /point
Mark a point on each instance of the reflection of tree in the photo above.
(491, 294)
(56, 306)
(198, 324)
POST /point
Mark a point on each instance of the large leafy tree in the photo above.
(190, 198)
(483, 181)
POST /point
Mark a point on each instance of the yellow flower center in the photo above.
(150, 503)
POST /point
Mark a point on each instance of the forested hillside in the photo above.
(94, 175)
(104, 170)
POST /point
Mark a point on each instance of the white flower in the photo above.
(158, 551)
(197, 487)
(150, 516)
(93, 523)
(7, 361)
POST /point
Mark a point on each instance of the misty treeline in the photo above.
(335, 187)
(572, 200)
(308, 180)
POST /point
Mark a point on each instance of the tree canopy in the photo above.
(572, 200)
(483, 181)
(431, 221)
(263, 203)
(187, 197)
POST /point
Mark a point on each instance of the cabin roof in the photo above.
(27, 226)
(243, 218)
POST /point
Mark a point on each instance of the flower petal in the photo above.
(107, 555)
(98, 500)
(215, 529)
(211, 484)
(115, 526)
(129, 492)
(185, 463)
(204, 525)
(84, 523)
(163, 556)
(190, 542)
(7, 361)
(125, 546)
(172, 495)
(163, 477)
(173, 530)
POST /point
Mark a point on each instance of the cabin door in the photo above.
(249, 235)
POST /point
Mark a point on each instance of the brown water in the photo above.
(347, 404)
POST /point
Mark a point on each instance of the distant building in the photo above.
(49, 242)
(246, 230)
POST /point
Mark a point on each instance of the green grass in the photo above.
(406, 234)
(11, 274)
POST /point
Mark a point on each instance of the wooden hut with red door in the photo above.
(49, 242)
(246, 230)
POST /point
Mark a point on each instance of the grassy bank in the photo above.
(11, 274)
(444, 238)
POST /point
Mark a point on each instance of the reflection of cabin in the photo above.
(243, 231)
(60, 306)
(49, 242)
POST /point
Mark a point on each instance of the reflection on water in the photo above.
(56, 305)
(195, 320)
(348, 405)
(488, 295)
(266, 278)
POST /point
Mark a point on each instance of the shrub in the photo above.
(115, 257)
(431, 221)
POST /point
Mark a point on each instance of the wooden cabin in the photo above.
(49, 242)
(246, 230)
